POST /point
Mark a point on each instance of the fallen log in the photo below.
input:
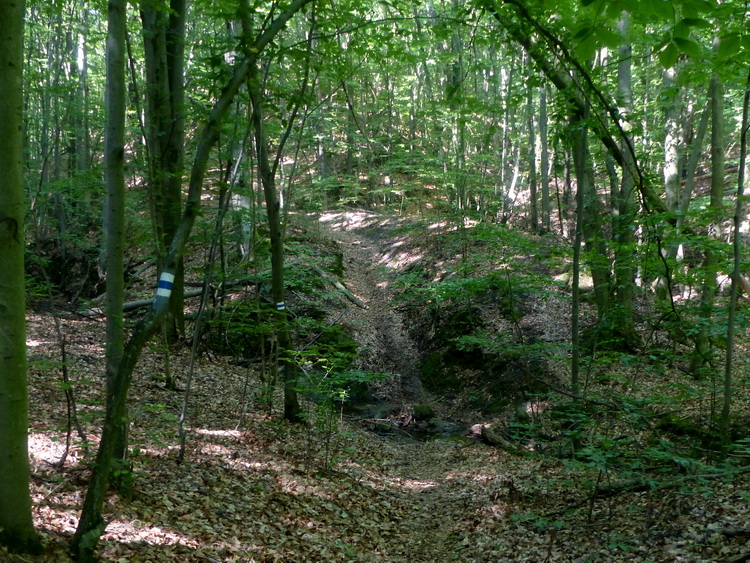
(495, 439)
(137, 304)
(338, 285)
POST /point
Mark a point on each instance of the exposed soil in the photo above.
(370, 257)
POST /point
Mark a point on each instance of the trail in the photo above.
(439, 482)
(371, 258)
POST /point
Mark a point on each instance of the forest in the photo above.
(374, 280)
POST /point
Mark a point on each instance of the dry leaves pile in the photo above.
(254, 489)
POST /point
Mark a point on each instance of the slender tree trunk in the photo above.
(724, 423)
(702, 354)
(292, 410)
(579, 151)
(458, 126)
(91, 525)
(670, 96)
(82, 140)
(164, 46)
(533, 187)
(114, 221)
(16, 525)
(544, 157)
(623, 204)
(591, 215)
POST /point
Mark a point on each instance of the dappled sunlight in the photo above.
(414, 485)
(46, 448)
(349, 220)
(130, 531)
(445, 226)
(223, 433)
(399, 260)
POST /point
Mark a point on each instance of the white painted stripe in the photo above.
(163, 292)
(167, 277)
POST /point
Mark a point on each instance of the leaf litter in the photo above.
(252, 488)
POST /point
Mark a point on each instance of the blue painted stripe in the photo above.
(166, 282)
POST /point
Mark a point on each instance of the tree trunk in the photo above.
(114, 439)
(575, 336)
(544, 157)
(702, 354)
(164, 46)
(114, 219)
(533, 188)
(736, 272)
(623, 204)
(590, 214)
(16, 525)
(292, 411)
(671, 140)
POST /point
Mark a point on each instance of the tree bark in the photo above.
(624, 207)
(544, 157)
(16, 524)
(671, 140)
(292, 410)
(724, 429)
(164, 46)
(702, 353)
(533, 186)
(590, 214)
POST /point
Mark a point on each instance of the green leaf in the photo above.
(662, 9)
(689, 47)
(668, 57)
(586, 48)
(582, 33)
(691, 8)
(699, 23)
(682, 30)
(608, 37)
(729, 45)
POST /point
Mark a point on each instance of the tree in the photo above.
(114, 206)
(267, 175)
(16, 524)
(164, 47)
(702, 353)
(623, 204)
(724, 421)
(91, 525)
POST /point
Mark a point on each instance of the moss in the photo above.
(436, 376)
(423, 412)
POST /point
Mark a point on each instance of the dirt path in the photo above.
(438, 481)
(371, 257)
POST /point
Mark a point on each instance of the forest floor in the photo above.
(253, 488)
